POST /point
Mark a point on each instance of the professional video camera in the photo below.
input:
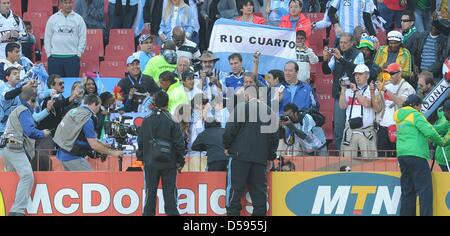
(119, 130)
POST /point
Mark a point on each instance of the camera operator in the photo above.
(341, 63)
(161, 148)
(76, 136)
(209, 77)
(310, 137)
(57, 106)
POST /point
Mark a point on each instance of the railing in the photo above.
(290, 160)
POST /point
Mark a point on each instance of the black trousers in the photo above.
(65, 67)
(168, 177)
(218, 166)
(415, 181)
(383, 143)
(251, 175)
(124, 20)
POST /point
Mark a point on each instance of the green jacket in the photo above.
(413, 132)
(177, 96)
(156, 66)
(442, 127)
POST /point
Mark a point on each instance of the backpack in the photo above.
(318, 118)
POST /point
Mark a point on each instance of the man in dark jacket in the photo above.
(160, 127)
(211, 141)
(251, 145)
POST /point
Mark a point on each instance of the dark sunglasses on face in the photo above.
(60, 83)
(393, 73)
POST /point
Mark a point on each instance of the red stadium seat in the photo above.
(16, 7)
(89, 65)
(41, 6)
(38, 19)
(328, 126)
(118, 52)
(121, 36)
(94, 39)
(114, 69)
(326, 102)
(323, 84)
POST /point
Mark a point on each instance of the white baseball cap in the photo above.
(361, 68)
(395, 36)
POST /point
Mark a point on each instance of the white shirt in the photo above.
(368, 114)
(173, 22)
(387, 119)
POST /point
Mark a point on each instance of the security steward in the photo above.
(76, 136)
(19, 137)
(161, 148)
(251, 145)
(413, 132)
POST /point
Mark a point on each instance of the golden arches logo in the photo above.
(2, 205)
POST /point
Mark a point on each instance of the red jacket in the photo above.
(303, 23)
(393, 5)
(256, 19)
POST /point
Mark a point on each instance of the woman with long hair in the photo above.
(176, 13)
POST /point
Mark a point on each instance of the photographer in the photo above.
(76, 136)
(341, 63)
(210, 78)
(161, 148)
(57, 106)
(309, 137)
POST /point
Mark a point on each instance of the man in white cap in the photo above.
(359, 133)
(394, 52)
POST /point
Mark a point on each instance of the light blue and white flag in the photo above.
(138, 24)
(276, 45)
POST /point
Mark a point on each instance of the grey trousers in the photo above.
(18, 161)
(79, 164)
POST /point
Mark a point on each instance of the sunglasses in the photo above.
(393, 73)
(60, 83)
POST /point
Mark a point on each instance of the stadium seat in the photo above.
(117, 52)
(326, 102)
(328, 126)
(115, 69)
(95, 40)
(16, 7)
(41, 6)
(38, 19)
(121, 36)
(323, 84)
(89, 65)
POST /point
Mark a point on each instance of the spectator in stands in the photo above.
(176, 13)
(146, 53)
(92, 13)
(305, 57)
(443, 9)
(391, 11)
(247, 14)
(347, 15)
(442, 153)
(175, 90)
(210, 79)
(11, 27)
(135, 77)
(12, 60)
(183, 65)
(341, 62)
(431, 48)
(391, 95)
(90, 87)
(59, 105)
(76, 139)
(234, 79)
(425, 83)
(188, 83)
(296, 20)
(413, 152)
(395, 52)
(167, 61)
(27, 45)
(366, 45)
(274, 78)
(108, 107)
(309, 138)
(152, 15)
(20, 133)
(211, 141)
(408, 29)
(136, 96)
(275, 9)
(122, 13)
(78, 90)
(210, 13)
(185, 47)
(296, 91)
(422, 14)
(9, 94)
(65, 41)
(359, 133)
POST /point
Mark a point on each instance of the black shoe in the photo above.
(16, 214)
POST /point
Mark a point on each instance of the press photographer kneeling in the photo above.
(76, 136)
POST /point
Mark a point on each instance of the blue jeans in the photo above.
(339, 118)
(124, 20)
(391, 17)
(423, 19)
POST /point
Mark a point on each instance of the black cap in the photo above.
(186, 75)
(413, 100)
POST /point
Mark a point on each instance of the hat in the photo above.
(131, 59)
(394, 67)
(208, 56)
(442, 26)
(361, 68)
(395, 36)
(144, 38)
(366, 42)
(413, 100)
(186, 75)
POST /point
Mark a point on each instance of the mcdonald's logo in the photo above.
(2, 205)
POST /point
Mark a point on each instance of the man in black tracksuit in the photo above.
(211, 141)
(250, 146)
(160, 126)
